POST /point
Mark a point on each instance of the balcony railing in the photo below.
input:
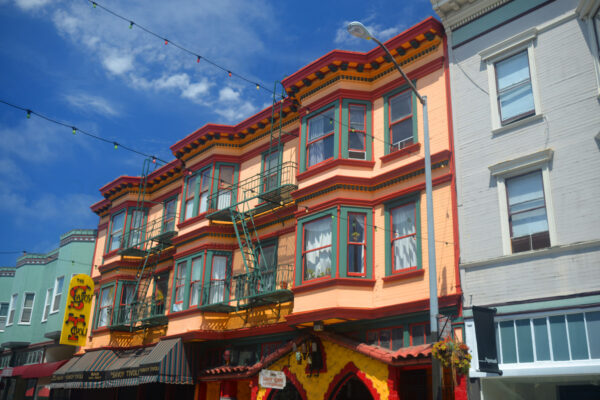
(271, 188)
(143, 237)
(266, 286)
(138, 316)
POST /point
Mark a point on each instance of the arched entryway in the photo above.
(289, 392)
(352, 388)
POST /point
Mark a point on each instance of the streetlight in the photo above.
(357, 29)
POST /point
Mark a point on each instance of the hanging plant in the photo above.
(454, 355)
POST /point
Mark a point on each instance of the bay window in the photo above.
(190, 193)
(218, 276)
(357, 243)
(357, 134)
(316, 254)
(404, 237)
(401, 123)
(271, 172)
(196, 280)
(125, 303)
(180, 282)
(320, 137)
(205, 185)
(268, 267)
(170, 212)
(117, 227)
(107, 295)
(225, 185)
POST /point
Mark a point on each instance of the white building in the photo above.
(525, 84)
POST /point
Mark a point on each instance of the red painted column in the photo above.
(228, 390)
(460, 390)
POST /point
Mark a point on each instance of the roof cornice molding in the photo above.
(456, 13)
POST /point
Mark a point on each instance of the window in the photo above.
(3, 315)
(205, 186)
(190, 196)
(218, 275)
(316, 252)
(116, 231)
(515, 92)
(11, 309)
(170, 213)
(527, 212)
(27, 308)
(47, 304)
(271, 172)
(225, 185)
(58, 289)
(196, 280)
(404, 237)
(401, 125)
(161, 286)
(320, 137)
(391, 338)
(357, 245)
(563, 337)
(268, 267)
(136, 229)
(180, 278)
(125, 303)
(420, 334)
(357, 134)
(107, 296)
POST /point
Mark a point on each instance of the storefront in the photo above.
(28, 381)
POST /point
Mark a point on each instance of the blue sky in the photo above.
(82, 66)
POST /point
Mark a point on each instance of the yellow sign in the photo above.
(77, 311)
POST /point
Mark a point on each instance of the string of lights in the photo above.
(196, 55)
(75, 130)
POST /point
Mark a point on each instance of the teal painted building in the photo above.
(33, 295)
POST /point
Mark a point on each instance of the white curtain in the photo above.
(356, 253)
(217, 284)
(196, 279)
(180, 286)
(317, 234)
(106, 301)
(405, 249)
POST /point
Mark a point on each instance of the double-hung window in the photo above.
(218, 276)
(190, 193)
(316, 252)
(3, 315)
(268, 267)
(58, 289)
(357, 134)
(47, 302)
(225, 186)
(400, 117)
(404, 237)
(180, 279)
(125, 303)
(527, 212)
(357, 243)
(196, 280)
(161, 286)
(271, 171)
(11, 308)
(320, 137)
(170, 214)
(107, 296)
(117, 228)
(136, 230)
(205, 185)
(514, 88)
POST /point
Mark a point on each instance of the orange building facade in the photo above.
(293, 242)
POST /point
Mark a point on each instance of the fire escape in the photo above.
(264, 281)
(145, 241)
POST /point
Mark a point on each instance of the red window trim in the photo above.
(212, 266)
(189, 198)
(111, 233)
(308, 143)
(378, 332)
(177, 279)
(199, 281)
(312, 250)
(208, 190)
(363, 131)
(363, 244)
(393, 239)
(392, 123)
(411, 326)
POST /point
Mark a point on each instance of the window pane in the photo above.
(558, 330)
(28, 300)
(191, 187)
(356, 141)
(497, 330)
(320, 151)
(317, 234)
(372, 338)
(403, 220)
(197, 269)
(577, 339)
(397, 338)
(593, 326)
(118, 222)
(405, 253)
(517, 101)
(356, 259)
(357, 118)
(318, 263)
(509, 347)
(384, 338)
(321, 124)
(269, 261)
(418, 334)
(524, 340)
(524, 188)
(400, 106)
(542, 344)
(513, 70)
(529, 222)
(402, 134)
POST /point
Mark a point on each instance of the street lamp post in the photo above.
(359, 30)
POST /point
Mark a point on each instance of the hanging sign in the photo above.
(271, 379)
(77, 311)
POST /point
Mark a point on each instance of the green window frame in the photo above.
(300, 243)
(270, 177)
(390, 238)
(344, 240)
(209, 293)
(389, 146)
(116, 231)
(304, 142)
(347, 129)
(132, 225)
(196, 186)
(122, 310)
(169, 214)
(109, 306)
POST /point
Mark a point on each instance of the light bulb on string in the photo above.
(74, 131)
(229, 73)
(130, 24)
(116, 145)
(198, 59)
(166, 42)
(257, 86)
(28, 114)
(93, 4)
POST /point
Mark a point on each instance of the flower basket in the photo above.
(454, 355)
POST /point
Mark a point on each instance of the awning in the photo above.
(37, 370)
(165, 362)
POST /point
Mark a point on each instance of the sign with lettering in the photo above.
(271, 379)
(77, 312)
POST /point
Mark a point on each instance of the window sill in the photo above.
(24, 323)
(413, 148)
(356, 282)
(191, 221)
(517, 124)
(182, 313)
(410, 273)
(346, 162)
(111, 253)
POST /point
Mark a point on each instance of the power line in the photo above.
(198, 57)
(74, 129)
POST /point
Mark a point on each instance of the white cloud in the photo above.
(228, 94)
(88, 102)
(180, 82)
(237, 113)
(118, 64)
(30, 4)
